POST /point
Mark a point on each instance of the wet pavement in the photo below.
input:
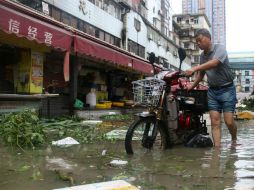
(230, 167)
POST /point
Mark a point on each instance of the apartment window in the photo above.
(101, 35)
(136, 48)
(141, 52)
(86, 28)
(97, 32)
(107, 37)
(186, 45)
(137, 24)
(117, 42)
(34, 4)
(179, 19)
(247, 88)
(65, 18)
(98, 3)
(112, 40)
(91, 30)
(196, 58)
(247, 73)
(247, 81)
(73, 22)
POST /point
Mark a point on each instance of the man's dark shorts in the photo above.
(222, 100)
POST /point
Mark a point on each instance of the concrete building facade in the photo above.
(242, 65)
(186, 26)
(215, 11)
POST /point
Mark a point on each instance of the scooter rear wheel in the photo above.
(139, 136)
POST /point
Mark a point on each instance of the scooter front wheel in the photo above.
(144, 134)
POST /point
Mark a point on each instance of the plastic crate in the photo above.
(201, 102)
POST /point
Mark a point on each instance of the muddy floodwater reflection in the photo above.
(230, 167)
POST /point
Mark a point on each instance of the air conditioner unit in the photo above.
(150, 36)
(159, 43)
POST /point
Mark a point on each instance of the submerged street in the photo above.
(230, 167)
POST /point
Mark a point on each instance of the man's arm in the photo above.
(208, 65)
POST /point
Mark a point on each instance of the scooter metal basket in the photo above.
(148, 91)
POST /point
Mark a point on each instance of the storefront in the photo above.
(107, 71)
(41, 56)
(26, 39)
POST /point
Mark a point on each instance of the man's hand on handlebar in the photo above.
(189, 72)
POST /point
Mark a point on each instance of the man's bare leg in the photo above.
(229, 121)
(216, 127)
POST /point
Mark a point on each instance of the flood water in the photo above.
(230, 167)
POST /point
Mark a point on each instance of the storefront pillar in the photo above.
(73, 81)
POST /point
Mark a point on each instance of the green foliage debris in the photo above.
(22, 129)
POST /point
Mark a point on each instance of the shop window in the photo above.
(56, 14)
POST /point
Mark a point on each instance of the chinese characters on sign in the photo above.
(82, 6)
(32, 32)
(48, 38)
(14, 26)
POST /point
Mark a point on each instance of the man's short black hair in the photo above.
(203, 32)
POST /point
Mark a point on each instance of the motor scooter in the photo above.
(174, 115)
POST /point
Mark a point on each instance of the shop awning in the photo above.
(142, 66)
(23, 25)
(86, 46)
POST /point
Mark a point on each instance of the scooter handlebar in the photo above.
(182, 75)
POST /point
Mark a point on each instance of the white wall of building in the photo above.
(105, 21)
(95, 15)
(141, 36)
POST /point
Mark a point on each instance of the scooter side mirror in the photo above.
(182, 54)
(151, 58)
